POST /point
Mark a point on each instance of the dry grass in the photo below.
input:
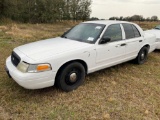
(148, 25)
(123, 92)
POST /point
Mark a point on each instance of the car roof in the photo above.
(107, 22)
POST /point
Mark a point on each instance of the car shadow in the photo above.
(157, 51)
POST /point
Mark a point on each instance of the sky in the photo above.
(104, 9)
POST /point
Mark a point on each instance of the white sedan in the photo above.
(156, 31)
(86, 48)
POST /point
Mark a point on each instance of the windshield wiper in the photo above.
(63, 36)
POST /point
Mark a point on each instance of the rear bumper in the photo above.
(158, 45)
(30, 80)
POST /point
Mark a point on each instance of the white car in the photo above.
(86, 48)
(156, 31)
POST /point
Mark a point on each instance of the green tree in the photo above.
(44, 11)
(154, 18)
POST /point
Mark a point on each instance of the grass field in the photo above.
(122, 92)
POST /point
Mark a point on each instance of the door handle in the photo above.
(140, 40)
(123, 44)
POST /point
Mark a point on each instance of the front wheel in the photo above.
(142, 56)
(71, 76)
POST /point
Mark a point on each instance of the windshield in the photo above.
(157, 27)
(85, 32)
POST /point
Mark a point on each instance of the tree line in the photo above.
(45, 11)
(132, 18)
(135, 18)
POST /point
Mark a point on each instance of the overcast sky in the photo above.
(109, 8)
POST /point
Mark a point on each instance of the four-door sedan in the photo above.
(86, 48)
(156, 31)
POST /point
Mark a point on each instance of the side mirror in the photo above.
(104, 40)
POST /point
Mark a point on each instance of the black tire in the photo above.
(142, 56)
(70, 77)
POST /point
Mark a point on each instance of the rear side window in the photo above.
(131, 31)
(128, 30)
(136, 31)
(114, 32)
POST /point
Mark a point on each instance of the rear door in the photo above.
(133, 40)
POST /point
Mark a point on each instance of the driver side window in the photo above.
(114, 32)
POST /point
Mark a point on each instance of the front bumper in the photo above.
(7, 71)
(30, 80)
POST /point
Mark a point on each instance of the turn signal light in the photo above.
(43, 67)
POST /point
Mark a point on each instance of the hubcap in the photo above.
(73, 77)
(142, 56)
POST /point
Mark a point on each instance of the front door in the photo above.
(112, 52)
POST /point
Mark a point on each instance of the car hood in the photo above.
(51, 47)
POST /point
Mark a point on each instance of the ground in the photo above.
(123, 92)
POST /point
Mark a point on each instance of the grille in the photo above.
(15, 59)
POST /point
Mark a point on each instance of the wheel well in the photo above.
(65, 64)
(148, 46)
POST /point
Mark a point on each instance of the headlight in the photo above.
(25, 67)
(22, 66)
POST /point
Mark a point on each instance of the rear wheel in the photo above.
(71, 77)
(142, 56)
